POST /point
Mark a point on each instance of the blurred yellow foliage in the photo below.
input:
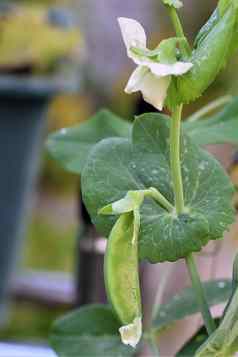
(27, 39)
(64, 111)
(67, 110)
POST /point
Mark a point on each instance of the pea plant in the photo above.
(156, 194)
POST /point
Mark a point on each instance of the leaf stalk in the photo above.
(176, 174)
(175, 130)
(185, 48)
(207, 317)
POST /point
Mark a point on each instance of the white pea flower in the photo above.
(155, 68)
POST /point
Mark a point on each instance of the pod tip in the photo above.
(131, 334)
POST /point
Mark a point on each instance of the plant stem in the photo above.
(175, 159)
(176, 21)
(208, 320)
(158, 197)
(185, 49)
(210, 107)
(179, 204)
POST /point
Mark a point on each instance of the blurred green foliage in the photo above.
(54, 179)
(30, 322)
(64, 111)
(49, 247)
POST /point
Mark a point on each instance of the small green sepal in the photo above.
(129, 203)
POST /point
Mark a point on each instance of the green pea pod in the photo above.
(209, 25)
(223, 6)
(208, 59)
(234, 42)
(122, 277)
(218, 13)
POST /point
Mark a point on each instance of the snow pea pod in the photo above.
(208, 59)
(122, 277)
(218, 13)
(209, 25)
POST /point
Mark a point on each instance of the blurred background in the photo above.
(60, 61)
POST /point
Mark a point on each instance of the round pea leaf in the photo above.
(117, 165)
(89, 331)
(71, 146)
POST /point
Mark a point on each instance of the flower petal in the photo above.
(163, 70)
(131, 334)
(133, 34)
(153, 88)
(135, 81)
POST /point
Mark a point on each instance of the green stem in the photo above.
(179, 204)
(175, 159)
(208, 320)
(158, 197)
(185, 48)
(176, 21)
(209, 108)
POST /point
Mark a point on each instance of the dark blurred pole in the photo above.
(23, 105)
(90, 251)
(21, 127)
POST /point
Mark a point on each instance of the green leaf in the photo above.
(70, 147)
(224, 341)
(116, 166)
(177, 4)
(185, 303)
(218, 129)
(90, 331)
(208, 58)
